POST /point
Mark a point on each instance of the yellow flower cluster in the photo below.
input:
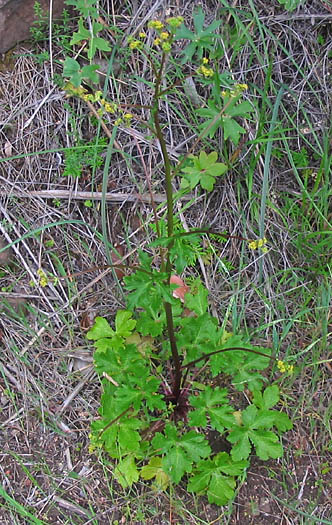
(207, 72)
(43, 280)
(105, 106)
(241, 87)
(259, 243)
(155, 24)
(284, 367)
(165, 37)
(238, 89)
(74, 91)
(174, 21)
(204, 69)
(135, 44)
(125, 119)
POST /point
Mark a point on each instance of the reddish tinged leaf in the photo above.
(182, 289)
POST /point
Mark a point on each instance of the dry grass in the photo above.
(47, 400)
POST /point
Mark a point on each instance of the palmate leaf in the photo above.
(95, 42)
(100, 329)
(253, 429)
(86, 7)
(218, 117)
(119, 363)
(144, 287)
(241, 365)
(154, 470)
(203, 171)
(212, 403)
(126, 472)
(198, 336)
(180, 451)
(201, 39)
(106, 339)
(216, 478)
(124, 324)
(119, 439)
(197, 301)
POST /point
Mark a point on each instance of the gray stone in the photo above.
(16, 18)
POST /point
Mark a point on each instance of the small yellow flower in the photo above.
(118, 121)
(135, 44)
(142, 34)
(207, 72)
(156, 24)
(43, 281)
(174, 21)
(284, 367)
(88, 98)
(156, 42)
(205, 61)
(281, 366)
(128, 116)
(259, 243)
(242, 87)
(164, 35)
(109, 108)
(252, 245)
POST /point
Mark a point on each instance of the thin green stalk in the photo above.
(265, 187)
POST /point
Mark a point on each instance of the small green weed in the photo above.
(290, 5)
(40, 30)
(86, 155)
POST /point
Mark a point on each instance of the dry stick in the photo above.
(70, 507)
(103, 125)
(22, 259)
(49, 321)
(50, 38)
(76, 391)
(90, 195)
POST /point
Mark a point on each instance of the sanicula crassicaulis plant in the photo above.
(162, 361)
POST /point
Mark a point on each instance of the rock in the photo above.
(16, 17)
(7, 256)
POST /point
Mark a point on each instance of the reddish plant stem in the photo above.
(170, 230)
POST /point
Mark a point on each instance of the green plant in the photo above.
(162, 362)
(290, 5)
(84, 156)
(39, 30)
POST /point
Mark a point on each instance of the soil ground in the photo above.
(48, 391)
